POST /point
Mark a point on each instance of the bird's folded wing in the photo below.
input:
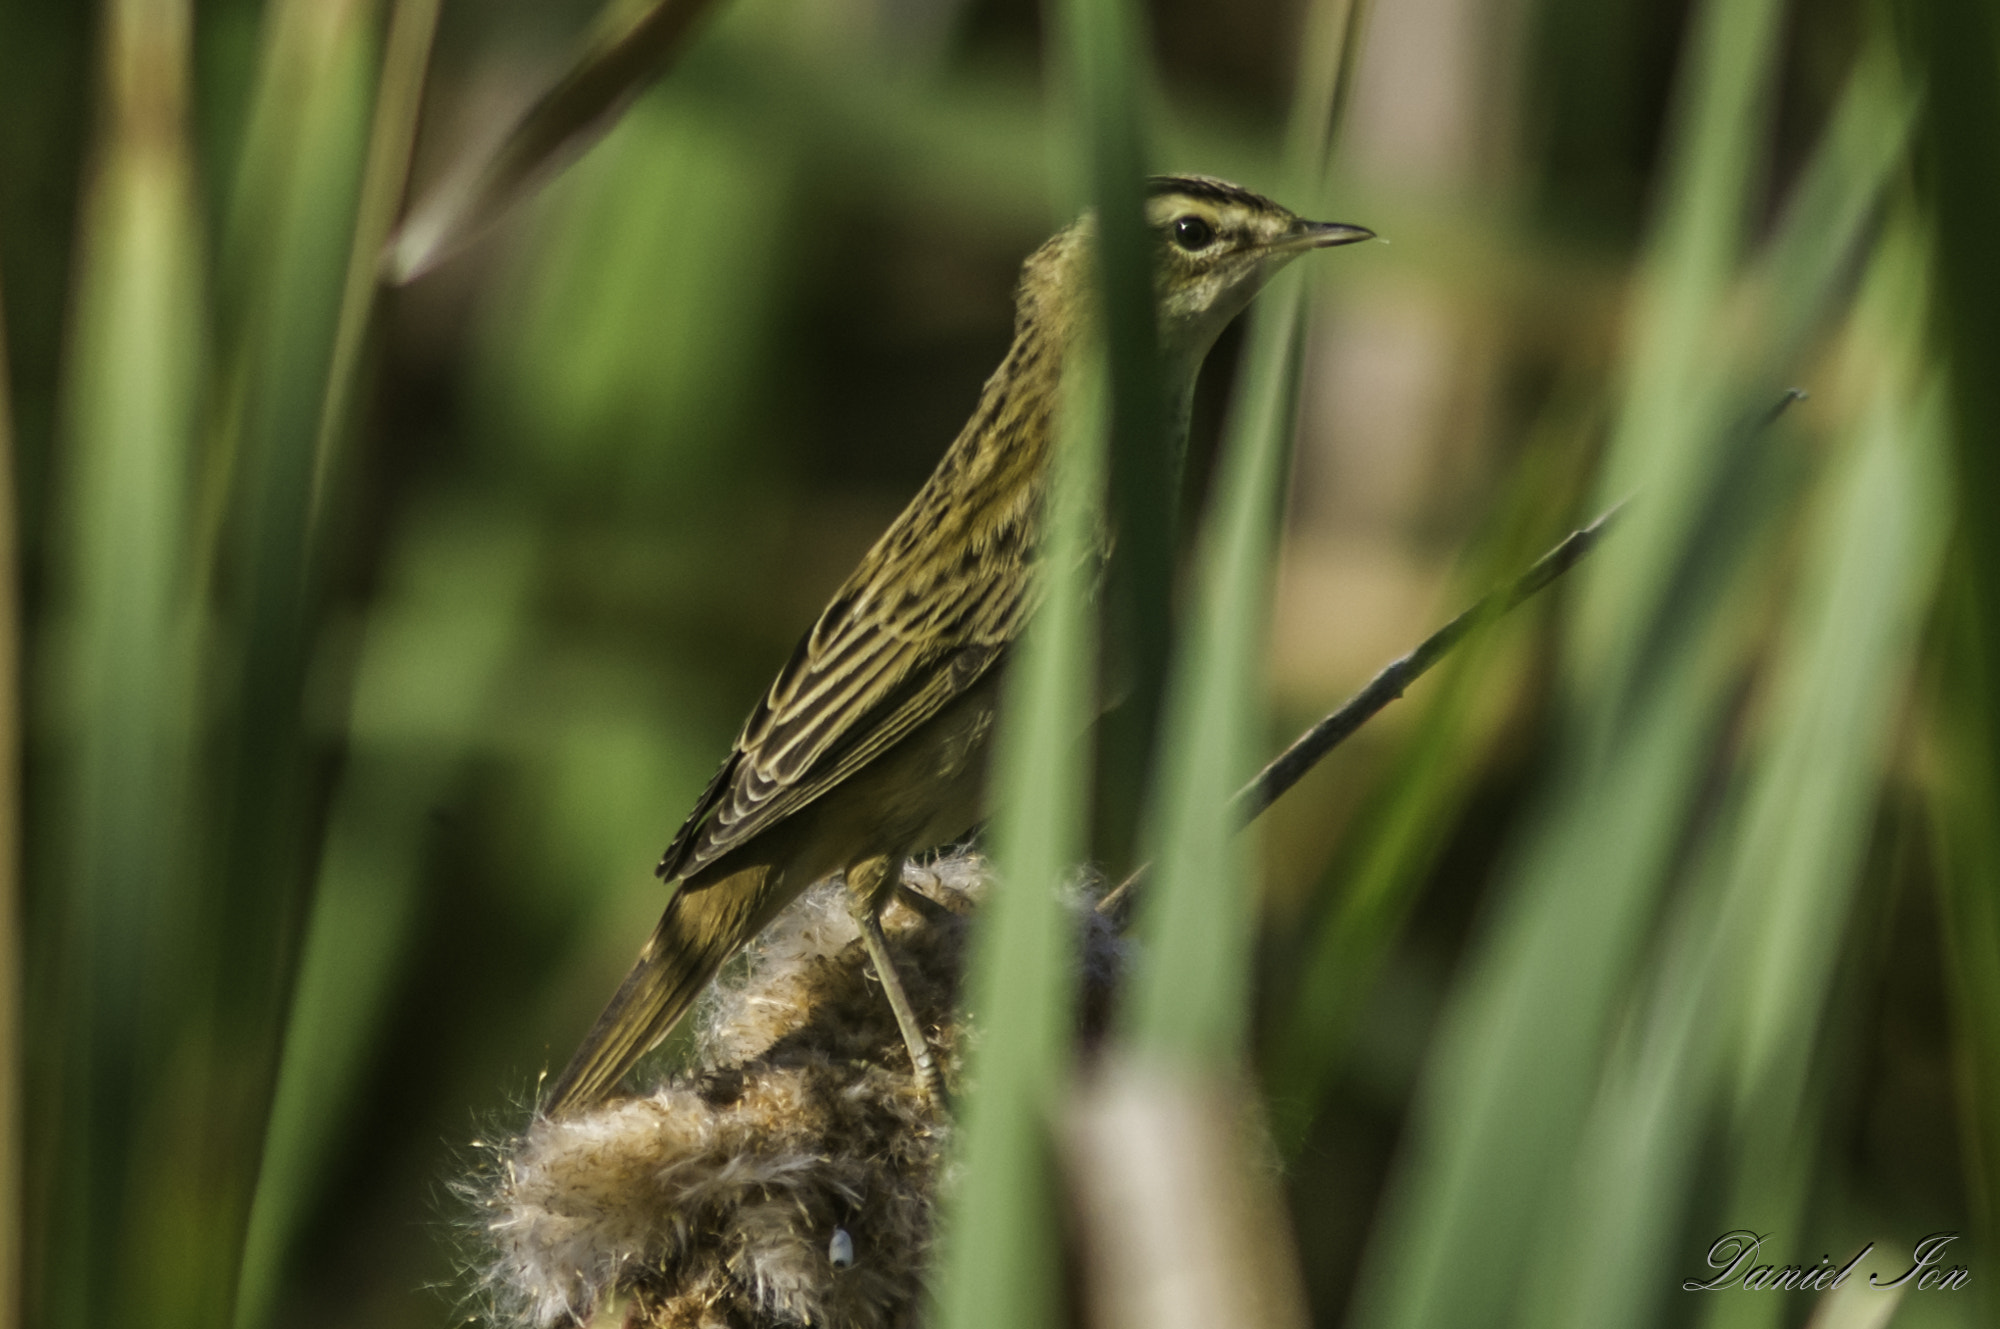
(879, 663)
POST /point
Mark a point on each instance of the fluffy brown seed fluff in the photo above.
(716, 1199)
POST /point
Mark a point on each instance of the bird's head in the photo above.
(1217, 244)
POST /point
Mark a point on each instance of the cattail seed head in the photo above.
(788, 1176)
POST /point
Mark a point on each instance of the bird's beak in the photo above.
(1306, 235)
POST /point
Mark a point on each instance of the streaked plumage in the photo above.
(871, 744)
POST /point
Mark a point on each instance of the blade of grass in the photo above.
(121, 669)
(1106, 74)
(1327, 45)
(1665, 443)
(1190, 997)
(1380, 866)
(1799, 277)
(1956, 44)
(1869, 573)
(1801, 273)
(1189, 1000)
(1512, 1068)
(1807, 825)
(312, 1076)
(1768, 930)
(1285, 770)
(435, 646)
(1001, 1264)
(392, 134)
(281, 277)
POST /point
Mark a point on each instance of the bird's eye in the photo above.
(1192, 234)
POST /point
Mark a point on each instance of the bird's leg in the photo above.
(865, 882)
(922, 1063)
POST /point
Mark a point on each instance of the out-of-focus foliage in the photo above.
(377, 639)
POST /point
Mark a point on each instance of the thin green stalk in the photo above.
(399, 95)
(1381, 864)
(1191, 996)
(1807, 822)
(1001, 1257)
(1107, 75)
(1803, 273)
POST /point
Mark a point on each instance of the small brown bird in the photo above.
(872, 743)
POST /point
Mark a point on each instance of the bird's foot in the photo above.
(923, 1063)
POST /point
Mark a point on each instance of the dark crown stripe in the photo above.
(1206, 187)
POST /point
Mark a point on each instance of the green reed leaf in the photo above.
(1513, 1066)
(280, 276)
(1732, 1022)
(1799, 276)
(436, 646)
(392, 136)
(1190, 998)
(123, 665)
(1001, 1256)
(1109, 79)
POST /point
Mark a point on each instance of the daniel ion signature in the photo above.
(1734, 1256)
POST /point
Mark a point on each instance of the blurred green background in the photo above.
(434, 663)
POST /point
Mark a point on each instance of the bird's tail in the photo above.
(693, 940)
